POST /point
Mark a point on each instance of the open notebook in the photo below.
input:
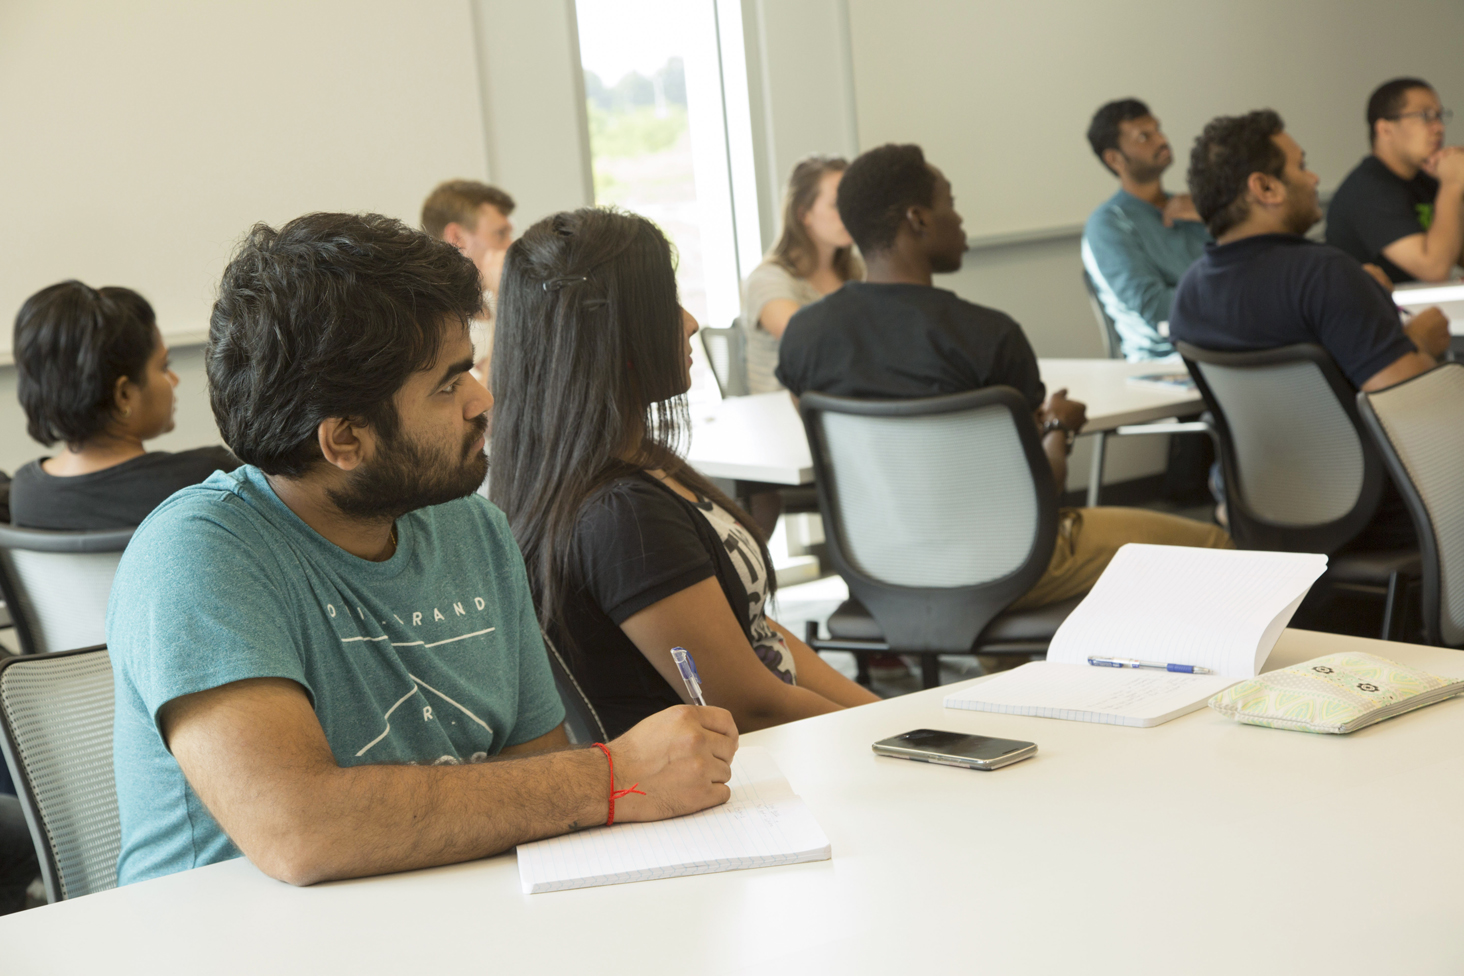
(762, 825)
(1215, 608)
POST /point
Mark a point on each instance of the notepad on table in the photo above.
(1220, 609)
(764, 824)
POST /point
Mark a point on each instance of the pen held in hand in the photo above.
(1128, 662)
(687, 667)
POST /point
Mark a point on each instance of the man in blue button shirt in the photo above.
(1141, 240)
(328, 659)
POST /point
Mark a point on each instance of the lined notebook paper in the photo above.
(1083, 693)
(762, 825)
(1213, 608)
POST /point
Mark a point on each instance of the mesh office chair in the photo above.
(57, 584)
(1111, 340)
(1300, 475)
(1418, 426)
(56, 720)
(1113, 344)
(581, 721)
(727, 353)
(939, 513)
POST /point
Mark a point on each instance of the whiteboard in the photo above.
(1000, 92)
(142, 139)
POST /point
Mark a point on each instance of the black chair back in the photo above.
(56, 585)
(56, 715)
(1300, 474)
(1418, 426)
(939, 512)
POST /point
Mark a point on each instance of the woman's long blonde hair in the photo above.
(795, 249)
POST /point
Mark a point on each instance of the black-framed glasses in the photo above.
(1428, 115)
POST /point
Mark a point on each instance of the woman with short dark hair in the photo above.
(93, 373)
(630, 551)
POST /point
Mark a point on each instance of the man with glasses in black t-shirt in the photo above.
(1402, 208)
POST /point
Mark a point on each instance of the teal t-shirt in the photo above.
(433, 656)
(1136, 263)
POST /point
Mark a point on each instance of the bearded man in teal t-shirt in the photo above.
(319, 656)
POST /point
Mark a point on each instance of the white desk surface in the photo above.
(760, 438)
(1199, 846)
(1449, 297)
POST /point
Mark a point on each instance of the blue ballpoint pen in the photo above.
(687, 667)
(1128, 662)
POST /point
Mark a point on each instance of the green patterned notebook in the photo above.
(1338, 693)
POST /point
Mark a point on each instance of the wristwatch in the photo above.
(1069, 435)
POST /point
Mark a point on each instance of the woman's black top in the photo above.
(637, 542)
(112, 498)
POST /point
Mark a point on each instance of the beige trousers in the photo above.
(1087, 539)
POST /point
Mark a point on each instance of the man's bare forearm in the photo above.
(365, 820)
(1445, 237)
(255, 753)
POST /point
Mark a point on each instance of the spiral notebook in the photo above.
(1220, 609)
(764, 824)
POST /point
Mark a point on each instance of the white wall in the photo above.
(1000, 92)
(142, 139)
(800, 79)
(534, 105)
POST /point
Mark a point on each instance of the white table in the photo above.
(751, 438)
(1449, 297)
(760, 438)
(1199, 846)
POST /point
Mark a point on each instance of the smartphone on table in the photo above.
(955, 749)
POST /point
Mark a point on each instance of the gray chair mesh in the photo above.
(939, 500)
(1299, 455)
(1424, 421)
(59, 711)
(727, 353)
(63, 595)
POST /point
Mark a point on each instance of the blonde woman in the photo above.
(813, 257)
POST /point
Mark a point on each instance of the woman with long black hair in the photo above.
(629, 550)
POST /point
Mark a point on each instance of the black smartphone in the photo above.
(955, 749)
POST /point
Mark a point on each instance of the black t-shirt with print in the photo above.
(892, 342)
(1375, 207)
(637, 542)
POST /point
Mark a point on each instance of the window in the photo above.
(670, 136)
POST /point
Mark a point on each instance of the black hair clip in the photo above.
(560, 282)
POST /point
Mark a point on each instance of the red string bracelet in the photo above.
(614, 793)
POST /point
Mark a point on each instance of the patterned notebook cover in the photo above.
(1338, 693)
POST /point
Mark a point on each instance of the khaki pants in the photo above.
(1087, 538)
